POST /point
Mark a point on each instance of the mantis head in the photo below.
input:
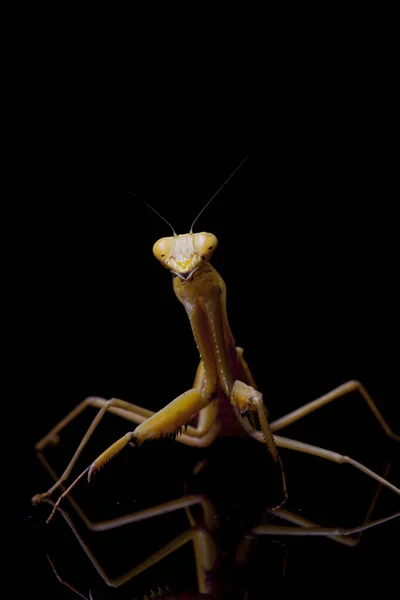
(183, 254)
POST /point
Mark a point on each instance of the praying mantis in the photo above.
(224, 398)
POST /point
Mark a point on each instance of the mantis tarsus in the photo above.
(223, 392)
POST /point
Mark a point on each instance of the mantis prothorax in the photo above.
(223, 384)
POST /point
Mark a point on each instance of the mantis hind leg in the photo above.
(283, 442)
(339, 392)
(346, 388)
(304, 527)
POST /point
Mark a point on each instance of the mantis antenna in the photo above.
(154, 210)
(217, 192)
(204, 207)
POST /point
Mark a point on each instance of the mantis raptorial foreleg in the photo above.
(168, 422)
(203, 434)
(248, 400)
(131, 412)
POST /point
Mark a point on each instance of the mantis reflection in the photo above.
(221, 559)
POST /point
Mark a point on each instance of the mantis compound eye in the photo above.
(205, 244)
(162, 248)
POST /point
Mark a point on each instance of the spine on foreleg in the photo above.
(169, 421)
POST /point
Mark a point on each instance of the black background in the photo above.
(307, 235)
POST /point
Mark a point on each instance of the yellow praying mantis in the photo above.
(223, 391)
